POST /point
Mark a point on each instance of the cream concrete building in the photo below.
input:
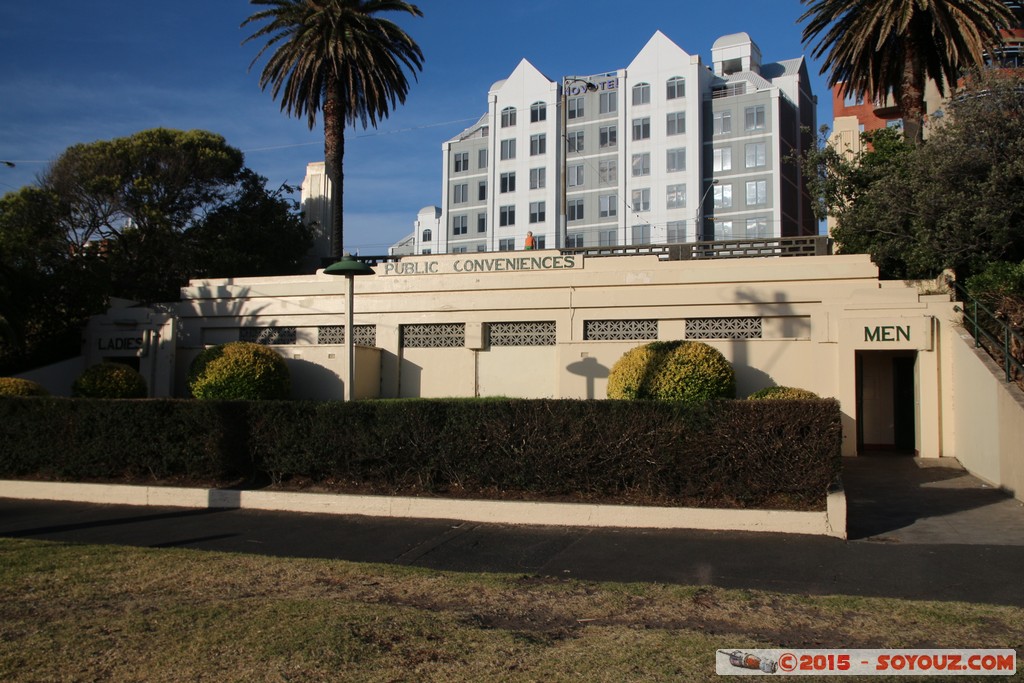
(552, 324)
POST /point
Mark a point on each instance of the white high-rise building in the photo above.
(665, 150)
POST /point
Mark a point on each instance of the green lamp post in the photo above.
(349, 267)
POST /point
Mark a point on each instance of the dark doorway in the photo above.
(886, 402)
(904, 422)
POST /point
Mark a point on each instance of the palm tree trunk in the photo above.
(910, 99)
(334, 158)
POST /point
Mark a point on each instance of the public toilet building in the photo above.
(552, 324)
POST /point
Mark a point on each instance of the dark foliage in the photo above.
(721, 454)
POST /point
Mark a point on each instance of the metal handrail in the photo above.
(979, 330)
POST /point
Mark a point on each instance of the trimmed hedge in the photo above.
(782, 454)
(110, 380)
(782, 393)
(15, 386)
(689, 371)
(239, 371)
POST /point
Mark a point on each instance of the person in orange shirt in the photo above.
(529, 243)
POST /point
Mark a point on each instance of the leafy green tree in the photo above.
(339, 58)
(953, 203)
(134, 217)
(154, 181)
(45, 291)
(878, 47)
(256, 233)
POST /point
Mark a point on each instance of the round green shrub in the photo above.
(110, 380)
(239, 371)
(13, 386)
(688, 371)
(783, 393)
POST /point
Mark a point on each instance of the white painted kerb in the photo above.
(832, 522)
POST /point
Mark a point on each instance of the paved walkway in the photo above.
(917, 531)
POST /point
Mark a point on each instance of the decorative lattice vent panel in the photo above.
(267, 335)
(433, 335)
(366, 335)
(611, 330)
(723, 328)
(523, 334)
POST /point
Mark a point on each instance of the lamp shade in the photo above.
(348, 266)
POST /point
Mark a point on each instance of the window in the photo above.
(537, 212)
(574, 210)
(508, 149)
(458, 250)
(722, 122)
(574, 110)
(642, 200)
(753, 118)
(481, 222)
(675, 123)
(607, 238)
(722, 159)
(575, 175)
(538, 144)
(609, 205)
(461, 162)
(460, 193)
(508, 182)
(508, 244)
(641, 164)
(676, 160)
(723, 196)
(607, 171)
(724, 231)
(460, 225)
(757, 192)
(538, 178)
(609, 136)
(508, 117)
(507, 215)
(675, 232)
(641, 234)
(675, 197)
(642, 128)
(757, 227)
(428, 235)
(574, 141)
(481, 191)
(755, 154)
(538, 112)
(675, 88)
(641, 94)
(574, 240)
(853, 99)
(481, 159)
(540, 241)
(608, 102)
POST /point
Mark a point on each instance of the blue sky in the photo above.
(73, 71)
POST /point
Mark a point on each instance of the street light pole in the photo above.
(349, 267)
(698, 221)
(563, 228)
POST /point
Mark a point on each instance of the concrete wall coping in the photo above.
(831, 522)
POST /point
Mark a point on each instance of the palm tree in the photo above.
(337, 57)
(881, 47)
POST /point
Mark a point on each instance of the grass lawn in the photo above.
(98, 613)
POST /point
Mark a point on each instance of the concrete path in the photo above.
(917, 532)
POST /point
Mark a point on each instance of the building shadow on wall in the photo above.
(591, 371)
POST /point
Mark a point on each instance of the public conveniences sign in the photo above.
(480, 264)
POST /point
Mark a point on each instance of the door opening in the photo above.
(886, 402)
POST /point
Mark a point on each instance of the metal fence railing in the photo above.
(992, 333)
